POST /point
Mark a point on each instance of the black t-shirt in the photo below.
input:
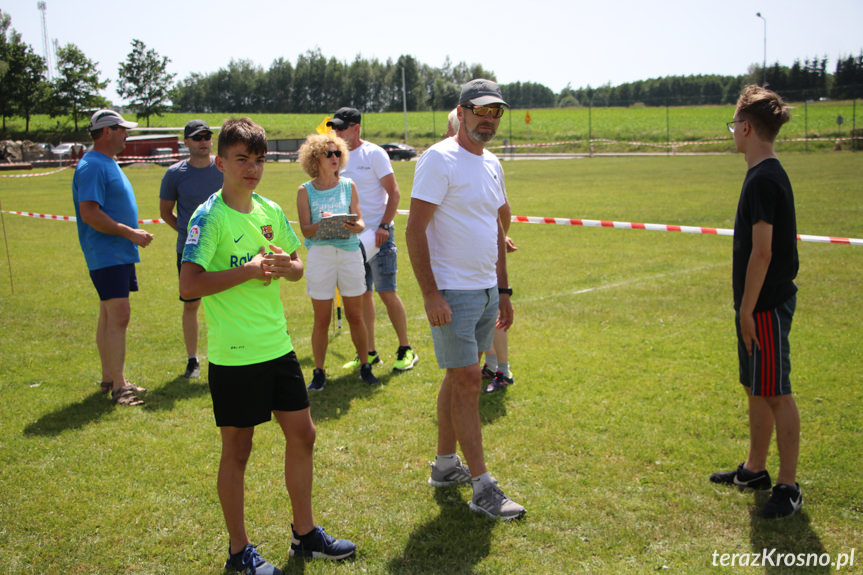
(767, 196)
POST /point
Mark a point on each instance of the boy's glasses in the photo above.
(199, 137)
(483, 111)
(731, 124)
(336, 153)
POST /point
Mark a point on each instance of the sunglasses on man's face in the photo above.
(343, 127)
(199, 137)
(336, 153)
(483, 111)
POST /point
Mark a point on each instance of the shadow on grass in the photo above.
(74, 416)
(335, 400)
(453, 542)
(165, 397)
(95, 406)
(792, 536)
(492, 405)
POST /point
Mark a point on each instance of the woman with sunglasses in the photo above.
(333, 261)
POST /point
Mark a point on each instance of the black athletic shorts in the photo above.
(115, 281)
(246, 395)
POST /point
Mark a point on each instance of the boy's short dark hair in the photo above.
(764, 109)
(243, 131)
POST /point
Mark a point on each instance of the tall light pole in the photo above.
(764, 65)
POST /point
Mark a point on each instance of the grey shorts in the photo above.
(767, 371)
(474, 314)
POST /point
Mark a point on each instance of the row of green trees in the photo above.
(24, 89)
(319, 84)
(807, 80)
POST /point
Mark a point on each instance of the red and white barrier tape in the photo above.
(663, 228)
(554, 221)
(34, 175)
(659, 144)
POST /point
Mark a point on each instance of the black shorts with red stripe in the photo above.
(767, 371)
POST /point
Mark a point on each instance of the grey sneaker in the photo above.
(494, 503)
(458, 475)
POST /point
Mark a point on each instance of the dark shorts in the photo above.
(767, 371)
(246, 395)
(115, 281)
(180, 265)
(382, 269)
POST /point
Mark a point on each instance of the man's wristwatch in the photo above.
(385, 227)
(507, 291)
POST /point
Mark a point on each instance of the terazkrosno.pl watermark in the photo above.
(774, 558)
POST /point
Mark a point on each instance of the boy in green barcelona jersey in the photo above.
(238, 243)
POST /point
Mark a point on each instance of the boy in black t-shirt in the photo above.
(765, 264)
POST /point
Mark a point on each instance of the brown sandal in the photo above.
(126, 396)
(107, 386)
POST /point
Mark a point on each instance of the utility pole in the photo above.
(405, 104)
(46, 53)
(764, 65)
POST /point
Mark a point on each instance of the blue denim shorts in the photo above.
(381, 270)
(474, 314)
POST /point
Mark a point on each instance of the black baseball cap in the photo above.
(481, 92)
(345, 116)
(195, 127)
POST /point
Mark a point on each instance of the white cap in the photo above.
(108, 118)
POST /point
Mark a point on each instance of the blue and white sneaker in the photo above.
(249, 562)
(320, 545)
(319, 380)
(366, 374)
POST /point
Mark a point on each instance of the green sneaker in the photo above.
(406, 358)
(355, 363)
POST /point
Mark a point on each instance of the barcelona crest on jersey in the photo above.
(267, 231)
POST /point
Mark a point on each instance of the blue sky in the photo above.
(551, 42)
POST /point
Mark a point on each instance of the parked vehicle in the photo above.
(66, 150)
(398, 151)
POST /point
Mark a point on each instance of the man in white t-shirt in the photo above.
(457, 247)
(370, 169)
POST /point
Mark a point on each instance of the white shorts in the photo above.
(328, 267)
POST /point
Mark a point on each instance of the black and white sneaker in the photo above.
(785, 501)
(193, 368)
(744, 479)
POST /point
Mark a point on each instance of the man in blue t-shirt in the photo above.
(107, 219)
(188, 184)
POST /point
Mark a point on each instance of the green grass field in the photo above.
(625, 397)
(628, 128)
